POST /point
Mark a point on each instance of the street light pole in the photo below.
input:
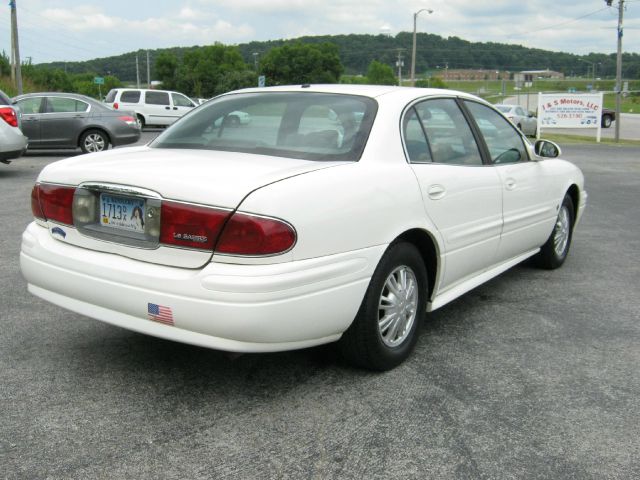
(619, 68)
(413, 51)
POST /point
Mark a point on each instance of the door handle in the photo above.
(436, 192)
(510, 183)
(167, 108)
(175, 108)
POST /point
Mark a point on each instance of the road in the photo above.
(532, 375)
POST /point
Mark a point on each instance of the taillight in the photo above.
(115, 106)
(36, 209)
(9, 115)
(128, 120)
(191, 226)
(53, 202)
(255, 236)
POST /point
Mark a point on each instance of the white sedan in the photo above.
(339, 213)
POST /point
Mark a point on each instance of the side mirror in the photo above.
(547, 149)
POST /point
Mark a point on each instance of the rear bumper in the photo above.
(242, 308)
(126, 138)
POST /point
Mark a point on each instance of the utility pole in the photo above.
(619, 68)
(16, 68)
(400, 64)
(148, 72)
(137, 73)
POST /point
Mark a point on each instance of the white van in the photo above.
(152, 107)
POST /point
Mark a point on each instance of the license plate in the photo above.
(122, 213)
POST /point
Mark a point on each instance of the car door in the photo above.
(462, 196)
(181, 105)
(529, 209)
(62, 120)
(30, 109)
(157, 108)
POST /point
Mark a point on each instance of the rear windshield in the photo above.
(111, 96)
(308, 126)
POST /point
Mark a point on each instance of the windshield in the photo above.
(504, 108)
(304, 125)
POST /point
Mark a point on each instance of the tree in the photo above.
(167, 69)
(302, 63)
(205, 72)
(380, 74)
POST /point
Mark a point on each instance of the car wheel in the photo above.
(94, 141)
(385, 329)
(141, 121)
(606, 121)
(554, 252)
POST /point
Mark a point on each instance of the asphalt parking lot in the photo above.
(533, 375)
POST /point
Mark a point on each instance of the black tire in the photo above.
(555, 250)
(93, 141)
(141, 121)
(366, 343)
(606, 121)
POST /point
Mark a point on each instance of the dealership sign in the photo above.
(569, 110)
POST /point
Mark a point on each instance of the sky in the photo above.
(74, 30)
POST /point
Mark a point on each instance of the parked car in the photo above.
(152, 107)
(527, 122)
(12, 142)
(67, 120)
(306, 226)
(608, 117)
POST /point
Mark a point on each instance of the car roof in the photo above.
(373, 91)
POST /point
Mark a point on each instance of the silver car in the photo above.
(12, 142)
(526, 122)
(68, 120)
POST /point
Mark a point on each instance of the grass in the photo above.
(578, 139)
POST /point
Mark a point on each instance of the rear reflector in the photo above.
(255, 236)
(191, 226)
(8, 114)
(115, 106)
(53, 202)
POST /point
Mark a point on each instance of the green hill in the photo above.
(357, 51)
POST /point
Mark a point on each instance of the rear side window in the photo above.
(130, 96)
(30, 106)
(309, 126)
(448, 135)
(157, 98)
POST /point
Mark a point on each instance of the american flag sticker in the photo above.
(160, 313)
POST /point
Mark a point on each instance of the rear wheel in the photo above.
(141, 121)
(94, 141)
(606, 121)
(554, 252)
(385, 329)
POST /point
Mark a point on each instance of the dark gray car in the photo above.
(68, 120)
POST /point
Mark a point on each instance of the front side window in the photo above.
(449, 136)
(504, 142)
(65, 105)
(157, 98)
(181, 101)
(309, 126)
